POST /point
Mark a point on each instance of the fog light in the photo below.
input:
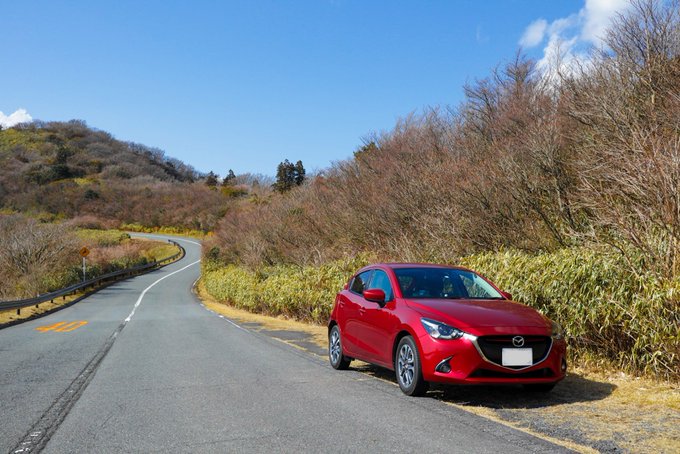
(564, 365)
(444, 367)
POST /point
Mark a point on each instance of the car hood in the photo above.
(478, 313)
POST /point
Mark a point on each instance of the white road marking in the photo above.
(224, 318)
(139, 300)
(188, 241)
(229, 321)
(213, 312)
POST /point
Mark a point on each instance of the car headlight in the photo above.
(557, 332)
(440, 330)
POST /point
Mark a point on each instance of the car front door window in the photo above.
(382, 281)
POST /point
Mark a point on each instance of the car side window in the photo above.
(382, 281)
(360, 282)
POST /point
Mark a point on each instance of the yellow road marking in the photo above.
(49, 327)
(62, 327)
(71, 326)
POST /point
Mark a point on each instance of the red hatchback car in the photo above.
(434, 323)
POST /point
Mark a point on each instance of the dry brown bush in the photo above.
(627, 146)
(31, 249)
(527, 161)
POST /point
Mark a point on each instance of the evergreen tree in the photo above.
(229, 179)
(211, 179)
(299, 173)
(289, 175)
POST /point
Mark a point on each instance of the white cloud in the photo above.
(20, 116)
(597, 17)
(534, 33)
(568, 38)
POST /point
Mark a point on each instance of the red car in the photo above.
(435, 323)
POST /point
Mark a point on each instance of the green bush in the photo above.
(304, 293)
(608, 312)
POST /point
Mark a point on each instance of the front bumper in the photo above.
(462, 361)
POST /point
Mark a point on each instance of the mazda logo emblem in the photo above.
(518, 341)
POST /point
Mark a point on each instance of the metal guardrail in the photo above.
(94, 282)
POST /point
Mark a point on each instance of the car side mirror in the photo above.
(375, 295)
(507, 296)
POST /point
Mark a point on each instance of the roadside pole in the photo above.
(84, 252)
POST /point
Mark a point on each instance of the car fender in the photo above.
(408, 329)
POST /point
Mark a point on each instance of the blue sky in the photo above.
(246, 84)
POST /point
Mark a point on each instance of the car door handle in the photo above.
(362, 310)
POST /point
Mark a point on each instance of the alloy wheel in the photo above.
(335, 349)
(406, 365)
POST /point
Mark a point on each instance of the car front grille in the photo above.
(492, 347)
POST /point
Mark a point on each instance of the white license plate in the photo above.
(517, 357)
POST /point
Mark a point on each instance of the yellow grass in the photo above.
(319, 334)
(82, 181)
(9, 316)
(157, 250)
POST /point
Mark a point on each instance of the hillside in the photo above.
(62, 170)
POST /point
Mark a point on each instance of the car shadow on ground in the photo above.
(573, 389)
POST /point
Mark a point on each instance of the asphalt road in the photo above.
(152, 370)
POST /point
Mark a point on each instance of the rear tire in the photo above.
(407, 367)
(337, 359)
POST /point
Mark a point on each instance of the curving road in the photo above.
(141, 366)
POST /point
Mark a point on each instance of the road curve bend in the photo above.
(141, 366)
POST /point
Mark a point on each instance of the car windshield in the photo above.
(444, 283)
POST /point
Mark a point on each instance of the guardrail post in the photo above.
(18, 311)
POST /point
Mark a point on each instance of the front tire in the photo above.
(337, 359)
(408, 368)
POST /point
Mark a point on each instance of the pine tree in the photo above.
(229, 179)
(289, 175)
(299, 173)
(211, 180)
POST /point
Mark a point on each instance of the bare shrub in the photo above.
(628, 144)
(30, 251)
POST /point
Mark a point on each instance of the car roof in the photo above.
(400, 265)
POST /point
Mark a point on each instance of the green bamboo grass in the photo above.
(626, 319)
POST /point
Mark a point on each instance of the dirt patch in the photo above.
(589, 411)
(623, 414)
